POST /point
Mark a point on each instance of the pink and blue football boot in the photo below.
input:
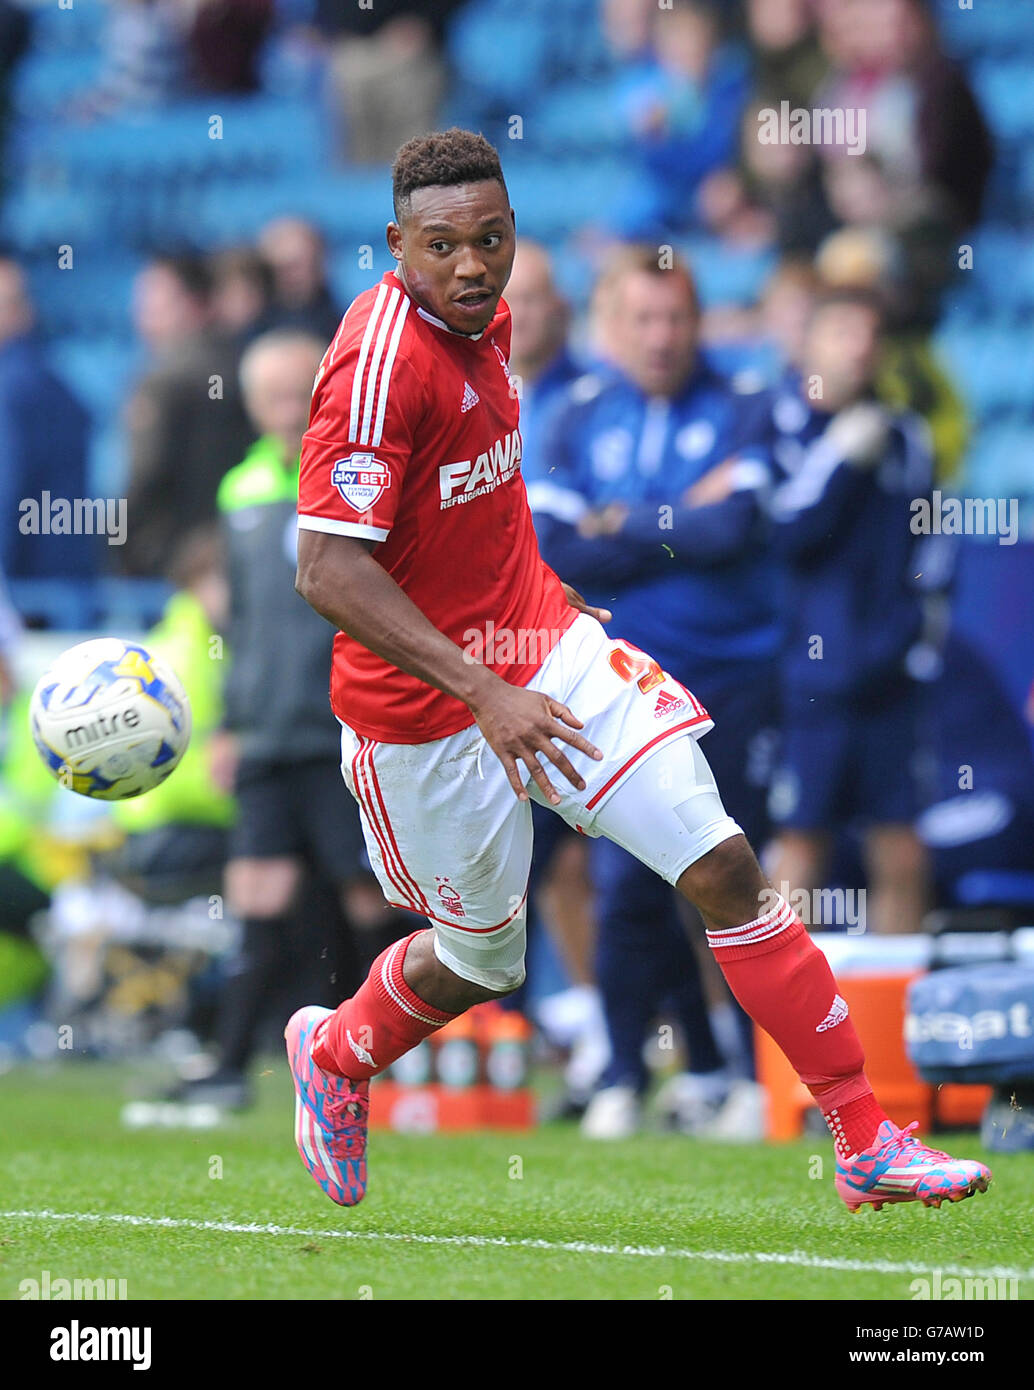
(898, 1168)
(331, 1115)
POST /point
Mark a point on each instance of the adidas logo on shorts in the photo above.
(667, 704)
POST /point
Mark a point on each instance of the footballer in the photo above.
(414, 537)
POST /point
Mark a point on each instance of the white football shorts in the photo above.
(447, 837)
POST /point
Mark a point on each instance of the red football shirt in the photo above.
(413, 441)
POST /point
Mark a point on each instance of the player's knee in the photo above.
(499, 982)
(512, 985)
(494, 963)
(726, 884)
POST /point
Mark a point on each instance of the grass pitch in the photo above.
(229, 1213)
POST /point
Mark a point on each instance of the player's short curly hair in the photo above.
(444, 158)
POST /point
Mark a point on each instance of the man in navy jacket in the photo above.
(651, 503)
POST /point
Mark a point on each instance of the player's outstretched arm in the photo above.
(338, 576)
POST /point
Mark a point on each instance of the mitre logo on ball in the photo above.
(360, 479)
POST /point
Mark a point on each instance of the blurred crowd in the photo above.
(734, 476)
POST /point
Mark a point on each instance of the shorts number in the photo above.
(633, 665)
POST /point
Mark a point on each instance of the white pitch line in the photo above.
(800, 1258)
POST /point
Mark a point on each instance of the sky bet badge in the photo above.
(360, 479)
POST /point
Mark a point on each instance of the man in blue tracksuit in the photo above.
(651, 504)
(851, 471)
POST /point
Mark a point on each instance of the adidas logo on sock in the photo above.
(837, 1014)
(359, 1050)
(470, 398)
(667, 704)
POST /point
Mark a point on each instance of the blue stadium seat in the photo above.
(500, 51)
(92, 300)
(1007, 96)
(577, 116)
(99, 370)
(992, 366)
(1000, 461)
(37, 217)
(353, 206)
(725, 274)
(258, 136)
(552, 198)
(348, 279)
(76, 28)
(45, 82)
(990, 26)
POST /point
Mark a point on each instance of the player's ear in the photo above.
(393, 236)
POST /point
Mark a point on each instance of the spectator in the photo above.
(44, 440)
(910, 375)
(145, 59)
(225, 39)
(850, 707)
(387, 69)
(15, 32)
(542, 366)
(296, 254)
(242, 294)
(979, 826)
(185, 421)
(540, 359)
(788, 61)
(653, 511)
(786, 308)
(928, 151)
(628, 31)
(786, 181)
(682, 109)
(923, 125)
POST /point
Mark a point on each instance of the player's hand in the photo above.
(520, 725)
(574, 598)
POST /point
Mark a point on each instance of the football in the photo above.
(110, 719)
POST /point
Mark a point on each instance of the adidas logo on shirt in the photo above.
(667, 704)
(470, 398)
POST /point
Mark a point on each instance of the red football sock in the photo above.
(785, 984)
(381, 1021)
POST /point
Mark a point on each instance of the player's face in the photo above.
(653, 331)
(455, 249)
